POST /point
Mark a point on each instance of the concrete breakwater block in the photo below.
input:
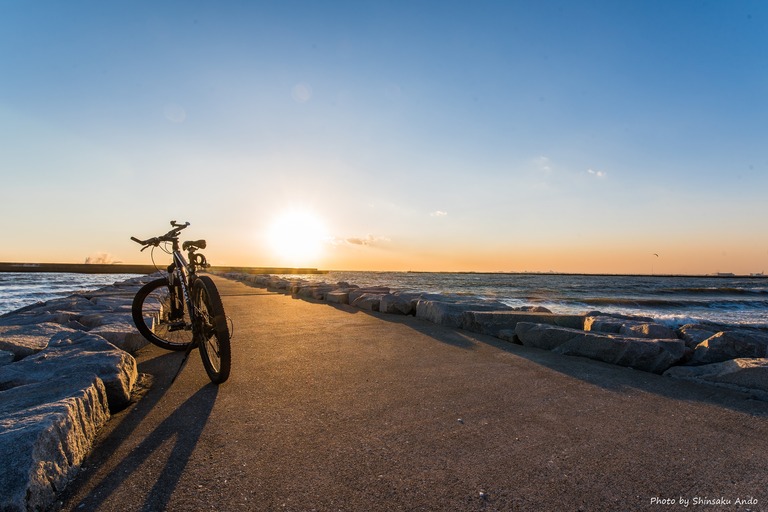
(73, 354)
(743, 374)
(59, 378)
(46, 430)
(732, 344)
(654, 356)
(451, 314)
(494, 323)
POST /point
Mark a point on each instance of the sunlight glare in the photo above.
(297, 237)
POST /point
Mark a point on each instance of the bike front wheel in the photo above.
(161, 316)
(211, 329)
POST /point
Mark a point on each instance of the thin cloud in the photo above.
(438, 213)
(543, 163)
(366, 241)
(597, 174)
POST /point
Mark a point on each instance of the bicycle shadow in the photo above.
(162, 369)
(182, 428)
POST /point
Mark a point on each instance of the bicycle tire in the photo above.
(211, 329)
(151, 314)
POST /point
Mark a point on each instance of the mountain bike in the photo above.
(183, 310)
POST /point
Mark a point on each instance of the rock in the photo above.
(311, 291)
(650, 330)
(451, 314)
(25, 340)
(693, 334)
(97, 319)
(368, 301)
(494, 322)
(75, 353)
(46, 430)
(376, 290)
(750, 374)
(123, 335)
(730, 345)
(654, 356)
(337, 297)
(36, 317)
(396, 304)
(603, 323)
(533, 309)
(116, 302)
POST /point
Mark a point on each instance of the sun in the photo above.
(297, 237)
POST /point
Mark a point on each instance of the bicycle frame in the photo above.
(180, 275)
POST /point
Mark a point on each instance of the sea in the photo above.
(672, 300)
(19, 289)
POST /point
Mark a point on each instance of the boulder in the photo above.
(398, 303)
(337, 297)
(368, 301)
(311, 291)
(75, 353)
(376, 290)
(693, 334)
(654, 356)
(750, 374)
(451, 314)
(46, 430)
(650, 330)
(730, 345)
(25, 340)
(494, 323)
(123, 335)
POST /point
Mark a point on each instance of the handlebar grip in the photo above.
(137, 240)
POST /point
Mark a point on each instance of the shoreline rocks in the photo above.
(712, 354)
(65, 366)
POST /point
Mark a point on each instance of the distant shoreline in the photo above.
(120, 268)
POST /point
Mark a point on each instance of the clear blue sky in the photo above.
(571, 136)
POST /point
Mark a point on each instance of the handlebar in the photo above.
(171, 236)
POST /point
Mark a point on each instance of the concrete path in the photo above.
(331, 408)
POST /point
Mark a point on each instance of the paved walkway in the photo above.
(331, 408)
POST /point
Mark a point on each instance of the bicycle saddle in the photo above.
(194, 244)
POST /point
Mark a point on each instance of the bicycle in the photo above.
(183, 310)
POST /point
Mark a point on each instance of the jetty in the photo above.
(330, 407)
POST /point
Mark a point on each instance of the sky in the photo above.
(595, 136)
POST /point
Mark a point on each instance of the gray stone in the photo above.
(650, 330)
(337, 297)
(116, 302)
(730, 345)
(25, 340)
(376, 290)
(396, 304)
(494, 322)
(123, 335)
(693, 334)
(750, 374)
(36, 317)
(311, 291)
(368, 301)
(640, 353)
(46, 430)
(451, 314)
(74, 353)
(97, 319)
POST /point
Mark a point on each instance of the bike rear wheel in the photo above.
(161, 316)
(211, 329)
